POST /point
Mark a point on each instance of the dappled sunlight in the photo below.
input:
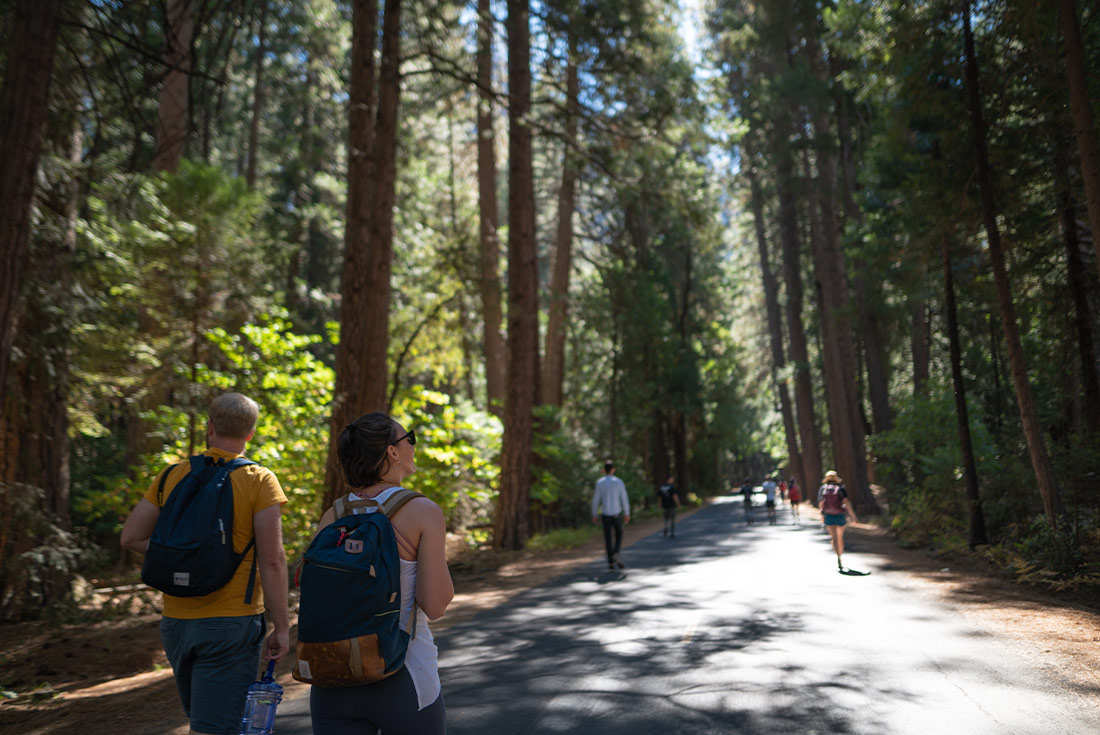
(722, 631)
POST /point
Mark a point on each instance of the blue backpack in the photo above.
(349, 630)
(191, 551)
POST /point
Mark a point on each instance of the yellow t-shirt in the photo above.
(254, 488)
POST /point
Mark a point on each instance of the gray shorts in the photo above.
(214, 660)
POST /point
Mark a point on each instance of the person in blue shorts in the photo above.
(832, 501)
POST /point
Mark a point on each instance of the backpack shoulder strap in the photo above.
(164, 479)
(397, 500)
(237, 463)
(343, 507)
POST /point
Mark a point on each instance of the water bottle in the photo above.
(259, 707)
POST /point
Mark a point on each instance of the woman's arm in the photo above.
(434, 588)
(851, 511)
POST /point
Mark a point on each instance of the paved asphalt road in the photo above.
(736, 629)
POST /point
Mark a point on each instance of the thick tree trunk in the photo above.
(495, 353)
(353, 352)
(1079, 288)
(173, 116)
(966, 447)
(34, 445)
(810, 439)
(775, 332)
(511, 523)
(554, 371)
(1033, 432)
(257, 99)
(24, 99)
(1077, 76)
(380, 240)
(878, 378)
(838, 348)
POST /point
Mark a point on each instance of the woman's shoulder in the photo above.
(422, 507)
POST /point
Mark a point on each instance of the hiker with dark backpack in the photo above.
(373, 577)
(211, 531)
(832, 501)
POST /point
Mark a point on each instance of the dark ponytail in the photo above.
(362, 447)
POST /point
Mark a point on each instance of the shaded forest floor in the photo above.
(110, 676)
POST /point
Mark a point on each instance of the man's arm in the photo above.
(596, 502)
(139, 526)
(626, 502)
(267, 524)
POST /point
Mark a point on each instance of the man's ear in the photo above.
(250, 435)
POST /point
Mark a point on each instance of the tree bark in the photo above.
(257, 99)
(878, 378)
(810, 438)
(24, 98)
(1079, 288)
(34, 444)
(966, 446)
(353, 351)
(511, 523)
(495, 353)
(1077, 76)
(838, 347)
(775, 330)
(173, 117)
(554, 371)
(1036, 444)
(380, 240)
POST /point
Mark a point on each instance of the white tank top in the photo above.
(422, 657)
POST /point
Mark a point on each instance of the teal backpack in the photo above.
(350, 581)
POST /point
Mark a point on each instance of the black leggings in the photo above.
(389, 706)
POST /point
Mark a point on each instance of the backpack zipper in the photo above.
(221, 525)
(346, 569)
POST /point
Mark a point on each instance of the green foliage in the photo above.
(922, 453)
(273, 366)
(562, 538)
(457, 453)
(38, 574)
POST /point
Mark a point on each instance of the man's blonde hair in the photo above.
(234, 415)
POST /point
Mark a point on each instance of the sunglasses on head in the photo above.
(410, 435)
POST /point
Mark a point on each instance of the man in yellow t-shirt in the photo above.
(213, 642)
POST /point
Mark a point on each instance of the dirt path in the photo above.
(111, 676)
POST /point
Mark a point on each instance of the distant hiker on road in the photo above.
(611, 504)
(832, 500)
(794, 494)
(377, 454)
(769, 487)
(670, 501)
(213, 640)
(746, 491)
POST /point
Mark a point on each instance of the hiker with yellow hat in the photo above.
(832, 501)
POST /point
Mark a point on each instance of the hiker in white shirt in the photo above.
(611, 504)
